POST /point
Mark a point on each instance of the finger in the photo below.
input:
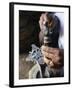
(45, 18)
(41, 21)
(46, 60)
(51, 64)
(41, 24)
(53, 57)
(57, 61)
(47, 49)
(50, 50)
(48, 55)
(42, 17)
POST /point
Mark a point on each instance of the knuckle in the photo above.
(46, 61)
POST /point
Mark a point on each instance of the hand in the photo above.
(46, 20)
(43, 20)
(53, 57)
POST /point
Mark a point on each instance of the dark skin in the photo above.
(53, 57)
